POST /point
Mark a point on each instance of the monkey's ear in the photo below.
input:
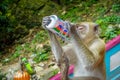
(96, 28)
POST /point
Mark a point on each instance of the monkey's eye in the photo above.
(81, 27)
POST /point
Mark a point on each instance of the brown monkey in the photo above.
(89, 50)
(86, 51)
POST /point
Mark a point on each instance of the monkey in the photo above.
(86, 51)
(85, 38)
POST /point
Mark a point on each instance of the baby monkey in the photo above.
(86, 51)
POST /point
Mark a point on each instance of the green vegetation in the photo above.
(43, 54)
(2, 75)
(17, 17)
(109, 26)
(105, 14)
(32, 47)
(116, 7)
(20, 23)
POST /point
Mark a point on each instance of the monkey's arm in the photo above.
(98, 50)
(55, 45)
(86, 57)
(60, 56)
(56, 48)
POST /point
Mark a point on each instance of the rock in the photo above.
(53, 58)
(110, 26)
(39, 46)
(41, 64)
(31, 61)
(12, 67)
(119, 26)
(38, 69)
(10, 74)
(47, 73)
(51, 64)
(34, 77)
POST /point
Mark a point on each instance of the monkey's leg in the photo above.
(60, 56)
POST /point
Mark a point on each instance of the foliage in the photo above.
(40, 37)
(116, 7)
(113, 19)
(42, 54)
(71, 15)
(18, 16)
(109, 33)
(103, 14)
(2, 76)
(30, 48)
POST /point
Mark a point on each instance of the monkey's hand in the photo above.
(46, 21)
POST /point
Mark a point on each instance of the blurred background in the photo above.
(21, 32)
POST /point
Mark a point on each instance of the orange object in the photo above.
(21, 75)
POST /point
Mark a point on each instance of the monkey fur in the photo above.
(86, 52)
